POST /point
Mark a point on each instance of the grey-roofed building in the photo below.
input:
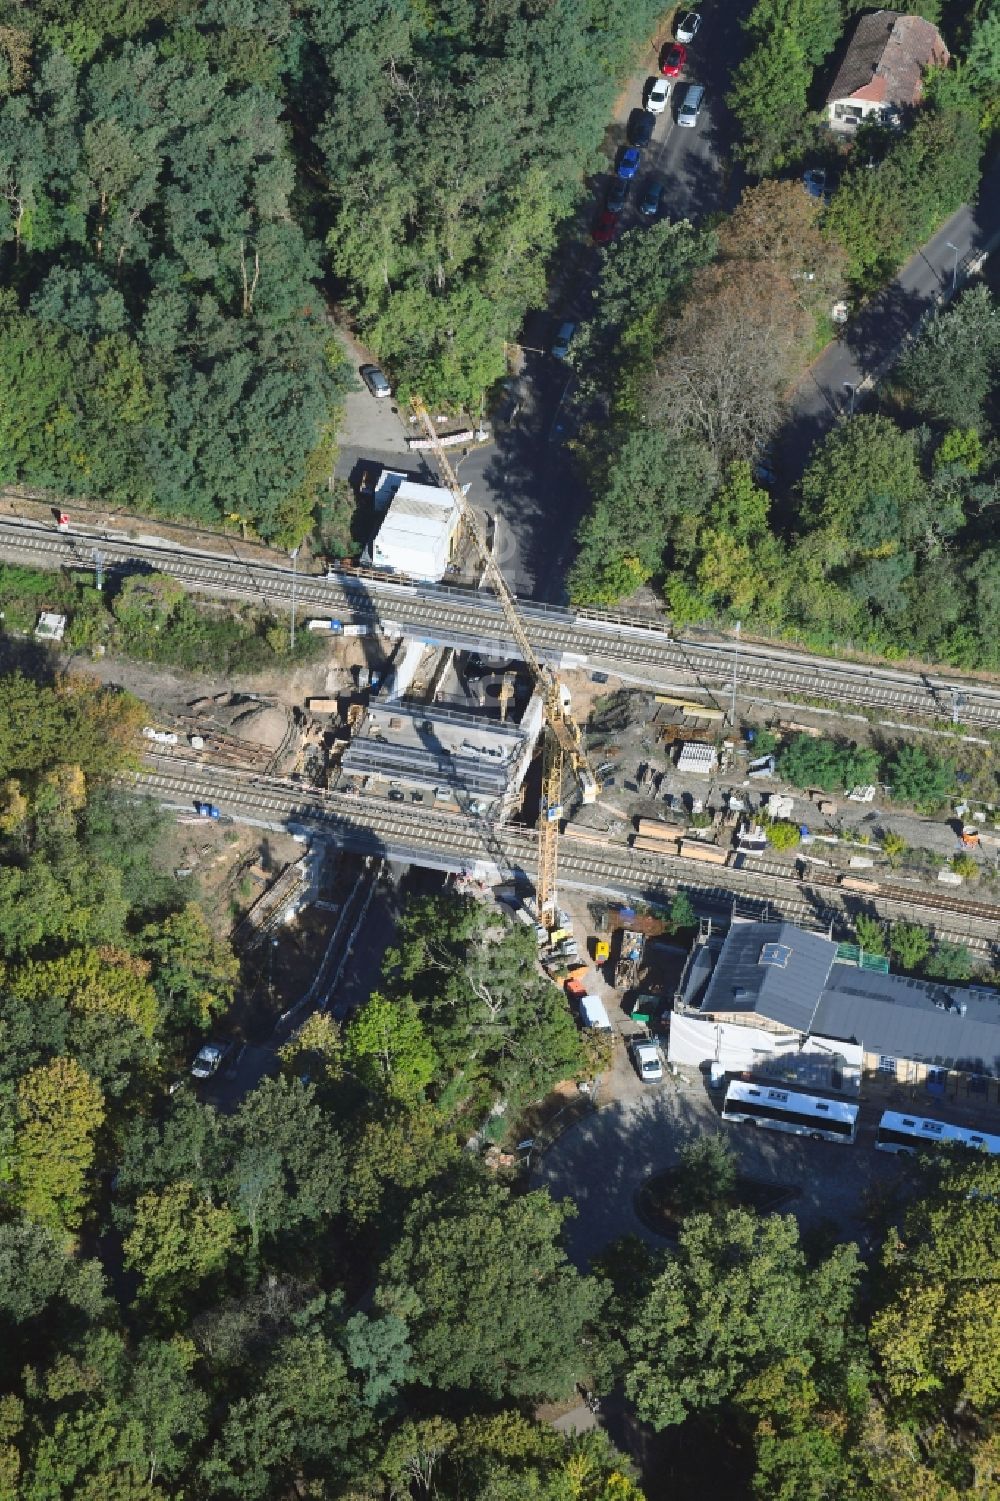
(921, 1023)
(774, 971)
(771, 998)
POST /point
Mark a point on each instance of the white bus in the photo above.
(908, 1133)
(787, 1110)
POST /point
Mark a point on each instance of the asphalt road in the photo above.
(525, 477)
(602, 1161)
(870, 342)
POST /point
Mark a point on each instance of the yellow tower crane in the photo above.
(562, 741)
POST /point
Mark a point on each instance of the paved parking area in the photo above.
(603, 1160)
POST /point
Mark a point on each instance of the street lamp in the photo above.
(736, 658)
(852, 391)
(294, 557)
(954, 269)
(270, 968)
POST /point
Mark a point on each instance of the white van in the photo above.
(594, 1014)
(690, 105)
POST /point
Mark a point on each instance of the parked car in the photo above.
(628, 162)
(658, 96)
(817, 183)
(395, 796)
(690, 106)
(640, 127)
(649, 203)
(206, 810)
(617, 195)
(673, 60)
(375, 381)
(604, 227)
(563, 340)
(687, 27)
(647, 1060)
(208, 1060)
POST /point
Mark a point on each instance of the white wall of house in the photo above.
(847, 114)
(695, 1042)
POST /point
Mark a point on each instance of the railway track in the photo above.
(641, 650)
(447, 841)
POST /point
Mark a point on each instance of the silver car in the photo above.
(687, 27)
(375, 381)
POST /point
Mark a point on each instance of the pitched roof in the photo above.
(886, 59)
(915, 1019)
(772, 969)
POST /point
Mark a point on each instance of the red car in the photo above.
(604, 229)
(673, 60)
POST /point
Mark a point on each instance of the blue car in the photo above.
(628, 162)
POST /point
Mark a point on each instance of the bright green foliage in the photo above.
(737, 1312)
(388, 1047)
(166, 346)
(880, 214)
(504, 1455)
(195, 973)
(834, 765)
(965, 866)
(863, 486)
(682, 913)
(909, 944)
(495, 1304)
(917, 777)
(741, 565)
(179, 1239)
(76, 723)
(107, 981)
(770, 86)
(644, 483)
(499, 1028)
(768, 98)
(782, 834)
(870, 933)
(961, 448)
(936, 1337)
(59, 1111)
(452, 146)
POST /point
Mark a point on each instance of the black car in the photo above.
(649, 203)
(640, 127)
(617, 195)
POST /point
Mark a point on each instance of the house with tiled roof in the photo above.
(882, 73)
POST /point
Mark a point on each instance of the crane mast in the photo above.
(563, 741)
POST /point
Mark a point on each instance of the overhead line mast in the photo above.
(563, 740)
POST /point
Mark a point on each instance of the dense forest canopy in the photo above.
(323, 1292)
(184, 187)
(888, 541)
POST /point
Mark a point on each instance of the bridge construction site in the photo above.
(427, 752)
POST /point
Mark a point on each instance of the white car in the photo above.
(687, 27)
(647, 1060)
(208, 1061)
(659, 96)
